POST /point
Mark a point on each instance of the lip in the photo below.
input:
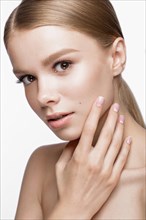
(59, 119)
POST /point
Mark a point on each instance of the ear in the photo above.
(118, 56)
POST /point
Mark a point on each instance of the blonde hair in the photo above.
(96, 18)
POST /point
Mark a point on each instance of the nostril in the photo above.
(46, 100)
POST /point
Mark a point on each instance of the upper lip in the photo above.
(57, 115)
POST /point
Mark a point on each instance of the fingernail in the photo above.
(121, 119)
(100, 101)
(129, 140)
(116, 107)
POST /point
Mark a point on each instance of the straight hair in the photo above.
(96, 18)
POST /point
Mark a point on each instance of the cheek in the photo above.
(31, 99)
(87, 84)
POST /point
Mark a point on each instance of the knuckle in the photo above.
(112, 182)
(94, 167)
(117, 139)
(77, 159)
(123, 158)
(115, 147)
(115, 177)
(88, 130)
(58, 166)
(107, 133)
(106, 173)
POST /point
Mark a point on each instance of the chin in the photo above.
(68, 135)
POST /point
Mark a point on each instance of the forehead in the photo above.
(50, 34)
(27, 46)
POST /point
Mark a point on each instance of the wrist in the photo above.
(67, 211)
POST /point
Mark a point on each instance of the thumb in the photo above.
(67, 154)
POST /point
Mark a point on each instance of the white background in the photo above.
(23, 131)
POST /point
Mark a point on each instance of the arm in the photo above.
(29, 200)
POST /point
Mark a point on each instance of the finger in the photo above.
(116, 143)
(90, 125)
(107, 132)
(66, 154)
(122, 158)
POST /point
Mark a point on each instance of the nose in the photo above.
(47, 93)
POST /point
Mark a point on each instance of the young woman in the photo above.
(70, 56)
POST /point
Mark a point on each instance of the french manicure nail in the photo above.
(116, 107)
(129, 140)
(121, 119)
(100, 101)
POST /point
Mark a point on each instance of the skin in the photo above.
(75, 89)
(52, 90)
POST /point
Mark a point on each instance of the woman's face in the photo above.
(63, 72)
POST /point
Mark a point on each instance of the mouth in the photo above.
(59, 120)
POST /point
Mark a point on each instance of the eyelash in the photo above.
(69, 63)
(20, 80)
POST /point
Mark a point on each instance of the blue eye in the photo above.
(61, 66)
(26, 79)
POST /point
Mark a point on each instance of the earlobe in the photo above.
(118, 56)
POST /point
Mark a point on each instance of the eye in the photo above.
(26, 79)
(61, 66)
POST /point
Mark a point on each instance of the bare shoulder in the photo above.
(43, 157)
(41, 161)
(142, 144)
(138, 148)
(131, 187)
(47, 153)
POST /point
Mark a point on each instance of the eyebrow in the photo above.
(49, 59)
(56, 55)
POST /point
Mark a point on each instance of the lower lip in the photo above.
(61, 122)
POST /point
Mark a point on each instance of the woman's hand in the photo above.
(87, 175)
